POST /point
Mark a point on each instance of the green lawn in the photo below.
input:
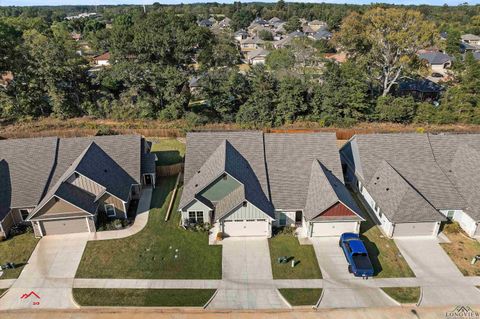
(288, 245)
(169, 151)
(461, 249)
(150, 253)
(16, 249)
(143, 297)
(2, 291)
(404, 294)
(384, 254)
(302, 297)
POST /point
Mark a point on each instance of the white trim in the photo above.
(58, 218)
(88, 224)
(239, 205)
(114, 209)
(40, 229)
(37, 210)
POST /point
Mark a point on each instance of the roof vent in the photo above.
(105, 170)
(196, 185)
(378, 177)
(387, 189)
(198, 172)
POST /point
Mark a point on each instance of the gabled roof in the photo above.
(324, 191)
(248, 170)
(435, 58)
(322, 35)
(102, 57)
(229, 202)
(420, 85)
(470, 37)
(412, 157)
(398, 199)
(252, 40)
(257, 53)
(77, 197)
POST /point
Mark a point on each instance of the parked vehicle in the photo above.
(437, 75)
(357, 255)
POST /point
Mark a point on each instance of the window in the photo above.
(283, 219)
(450, 214)
(110, 210)
(24, 213)
(195, 217)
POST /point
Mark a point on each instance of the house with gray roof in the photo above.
(438, 61)
(414, 182)
(60, 185)
(245, 183)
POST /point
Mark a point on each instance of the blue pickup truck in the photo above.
(357, 255)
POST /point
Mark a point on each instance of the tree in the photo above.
(453, 42)
(280, 59)
(291, 100)
(10, 39)
(396, 109)
(265, 35)
(242, 19)
(388, 39)
(293, 24)
(258, 110)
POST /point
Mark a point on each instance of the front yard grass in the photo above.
(403, 294)
(169, 151)
(2, 291)
(288, 245)
(386, 259)
(462, 249)
(150, 254)
(301, 296)
(16, 249)
(142, 297)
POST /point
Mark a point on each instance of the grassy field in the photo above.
(404, 294)
(302, 297)
(143, 297)
(462, 249)
(386, 258)
(168, 151)
(2, 291)
(287, 245)
(16, 249)
(151, 252)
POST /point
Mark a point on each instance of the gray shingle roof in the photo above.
(397, 199)
(229, 202)
(289, 160)
(34, 166)
(435, 57)
(325, 190)
(77, 197)
(276, 167)
(412, 157)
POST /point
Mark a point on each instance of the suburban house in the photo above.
(250, 44)
(471, 39)
(102, 59)
(414, 182)
(257, 56)
(438, 61)
(420, 89)
(59, 185)
(240, 35)
(317, 25)
(245, 183)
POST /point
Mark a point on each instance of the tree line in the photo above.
(155, 55)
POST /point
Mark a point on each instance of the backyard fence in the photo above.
(170, 170)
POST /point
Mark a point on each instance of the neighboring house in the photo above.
(76, 36)
(205, 23)
(247, 182)
(102, 59)
(275, 22)
(414, 182)
(317, 25)
(339, 57)
(59, 185)
(471, 39)
(420, 89)
(321, 35)
(194, 84)
(438, 61)
(250, 44)
(257, 56)
(225, 23)
(287, 40)
(240, 35)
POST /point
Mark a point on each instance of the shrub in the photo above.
(105, 130)
(395, 109)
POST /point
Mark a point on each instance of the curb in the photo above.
(420, 299)
(391, 298)
(210, 300)
(284, 299)
(319, 300)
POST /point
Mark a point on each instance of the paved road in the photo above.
(49, 273)
(245, 263)
(337, 293)
(442, 283)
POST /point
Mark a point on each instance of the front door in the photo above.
(148, 180)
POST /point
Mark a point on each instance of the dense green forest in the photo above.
(157, 50)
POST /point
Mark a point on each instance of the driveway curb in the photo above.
(210, 300)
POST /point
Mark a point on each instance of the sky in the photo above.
(139, 2)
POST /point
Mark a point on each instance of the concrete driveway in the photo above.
(49, 274)
(246, 272)
(442, 282)
(340, 288)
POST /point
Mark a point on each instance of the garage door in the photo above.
(249, 227)
(333, 229)
(414, 229)
(64, 226)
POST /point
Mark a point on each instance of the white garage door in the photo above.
(333, 229)
(64, 226)
(249, 227)
(414, 229)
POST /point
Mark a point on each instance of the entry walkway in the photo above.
(247, 277)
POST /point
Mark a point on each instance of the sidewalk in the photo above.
(140, 220)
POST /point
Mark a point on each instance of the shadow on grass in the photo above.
(168, 157)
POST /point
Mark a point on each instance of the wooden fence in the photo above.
(170, 170)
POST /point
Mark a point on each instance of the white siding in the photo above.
(465, 221)
(385, 224)
(197, 206)
(246, 212)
